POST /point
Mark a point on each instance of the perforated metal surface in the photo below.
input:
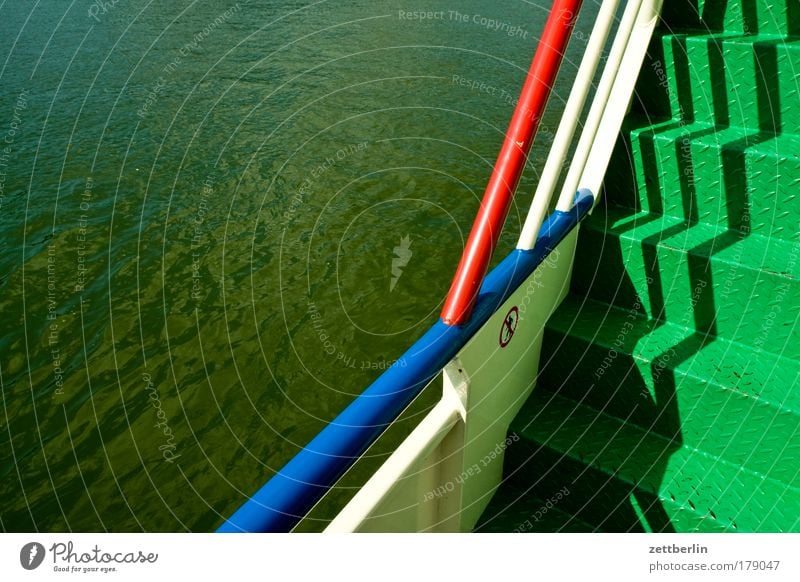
(668, 397)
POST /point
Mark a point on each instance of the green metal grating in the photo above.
(668, 397)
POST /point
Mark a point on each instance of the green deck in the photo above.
(668, 397)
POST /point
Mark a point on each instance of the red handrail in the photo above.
(510, 163)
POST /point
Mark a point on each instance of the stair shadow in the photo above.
(612, 480)
(734, 172)
(618, 482)
(619, 485)
(684, 14)
(689, 14)
(662, 410)
(733, 186)
(793, 17)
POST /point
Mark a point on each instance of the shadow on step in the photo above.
(710, 14)
(602, 425)
(793, 17)
(604, 421)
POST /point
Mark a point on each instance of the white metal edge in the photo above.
(621, 95)
(587, 140)
(428, 434)
(454, 435)
(568, 125)
(501, 380)
(635, 31)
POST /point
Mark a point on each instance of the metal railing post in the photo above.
(510, 163)
(569, 123)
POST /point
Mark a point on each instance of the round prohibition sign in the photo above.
(509, 326)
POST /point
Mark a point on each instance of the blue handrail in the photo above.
(289, 495)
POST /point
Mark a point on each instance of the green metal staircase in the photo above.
(668, 397)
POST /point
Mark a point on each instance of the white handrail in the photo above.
(587, 139)
(457, 443)
(569, 123)
(618, 102)
(604, 121)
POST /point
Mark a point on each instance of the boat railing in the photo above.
(481, 314)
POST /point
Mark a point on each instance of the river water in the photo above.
(220, 221)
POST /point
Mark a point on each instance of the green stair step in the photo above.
(604, 461)
(652, 98)
(724, 176)
(620, 185)
(729, 79)
(743, 16)
(666, 398)
(741, 288)
(714, 395)
(514, 510)
(599, 501)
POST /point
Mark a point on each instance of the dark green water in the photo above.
(200, 204)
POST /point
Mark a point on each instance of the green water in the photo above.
(199, 212)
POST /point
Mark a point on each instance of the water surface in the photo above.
(219, 222)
